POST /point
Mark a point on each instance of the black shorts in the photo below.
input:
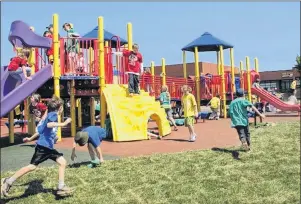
(42, 154)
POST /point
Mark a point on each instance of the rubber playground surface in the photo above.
(210, 134)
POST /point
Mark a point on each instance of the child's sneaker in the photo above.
(192, 138)
(94, 163)
(65, 191)
(5, 187)
(245, 146)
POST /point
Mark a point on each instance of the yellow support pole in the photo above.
(232, 70)
(56, 67)
(91, 58)
(153, 75)
(218, 59)
(256, 65)
(197, 77)
(163, 72)
(101, 63)
(241, 71)
(130, 36)
(79, 113)
(72, 108)
(92, 111)
(223, 81)
(11, 127)
(248, 78)
(184, 65)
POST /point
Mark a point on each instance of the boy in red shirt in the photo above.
(18, 65)
(37, 108)
(49, 52)
(134, 68)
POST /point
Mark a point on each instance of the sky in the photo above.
(269, 31)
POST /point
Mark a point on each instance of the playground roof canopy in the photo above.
(107, 36)
(206, 43)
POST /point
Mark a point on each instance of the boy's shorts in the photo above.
(189, 121)
(42, 154)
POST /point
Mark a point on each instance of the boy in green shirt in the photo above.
(239, 118)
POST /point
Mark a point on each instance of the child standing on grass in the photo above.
(189, 106)
(215, 103)
(44, 150)
(133, 69)
(165, 103)
(239, 118)
(92, 136)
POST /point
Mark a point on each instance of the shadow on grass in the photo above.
(34, 188)
(77, 165)
(234, 153)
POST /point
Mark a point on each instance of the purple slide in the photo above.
(16, 96)
(21, 36)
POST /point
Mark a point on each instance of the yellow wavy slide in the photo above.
(130, 115)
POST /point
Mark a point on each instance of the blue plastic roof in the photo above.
(206, 43)
(107, 36)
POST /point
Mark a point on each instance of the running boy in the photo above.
(18, 65)
(239, 118)
(215, 107)
(133, 69)
(190, 108)
(44, 150)
(92, 136)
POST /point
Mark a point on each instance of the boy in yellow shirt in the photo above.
(189, 106)
(215, 107)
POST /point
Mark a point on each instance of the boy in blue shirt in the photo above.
(44, 149)
(239, 118)
(92, 136)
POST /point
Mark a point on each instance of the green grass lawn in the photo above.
(270, 173)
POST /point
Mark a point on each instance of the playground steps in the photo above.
(129, 115)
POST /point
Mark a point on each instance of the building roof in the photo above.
(278, 75)
(176, 70)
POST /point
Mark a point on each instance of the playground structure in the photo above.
(104, 78)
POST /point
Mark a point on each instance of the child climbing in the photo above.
(18, 65)
(44, 150)
(49, 52)
(239, 118)
(165, 103)
(92, 136)
(189, 106)
(133, 69)
(215, 107)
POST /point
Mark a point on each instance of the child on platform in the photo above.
(134, 68)
(18, 65)
(239, 118)
(215, 107)
(190, 108)
(49, 52)
(44, 150)
(165, 103)
(92, 136)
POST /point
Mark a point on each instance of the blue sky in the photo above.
(269, 31)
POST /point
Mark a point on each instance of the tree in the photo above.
(298, 64)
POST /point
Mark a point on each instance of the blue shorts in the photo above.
(16, 74)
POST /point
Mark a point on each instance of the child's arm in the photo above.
(209, 103)
(29, 139)
(55, 124)
(120, 54)
(256, 111)
(196, 112)
(73, 155)
(25, 73)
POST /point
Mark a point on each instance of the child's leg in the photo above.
(16, 75)
(248, 135)
(136, 84)
(242, 136)
(99, 154)
(131, 84)
(91, 150)
(62, 188)
(6, 183)
(169, 115)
